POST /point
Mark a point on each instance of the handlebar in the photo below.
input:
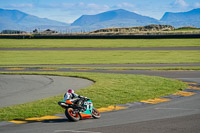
(85, 98)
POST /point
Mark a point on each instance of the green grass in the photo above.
(141, 68)
(55, 43)
(97, 57)
(109, 89)
(125, 68)
(188, 29)
(107, 68)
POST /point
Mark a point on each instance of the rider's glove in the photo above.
(80, 96)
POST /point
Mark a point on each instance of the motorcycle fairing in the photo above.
(87, 113)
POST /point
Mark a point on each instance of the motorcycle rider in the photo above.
(74, 98)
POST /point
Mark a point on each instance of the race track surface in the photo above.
(19, 89)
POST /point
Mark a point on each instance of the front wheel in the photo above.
(95, 113)
(72, 115)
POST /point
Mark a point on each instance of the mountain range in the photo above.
(17, 20)
(115, 18)
(180, 19)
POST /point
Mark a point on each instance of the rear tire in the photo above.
(95, 113)
(72, 115)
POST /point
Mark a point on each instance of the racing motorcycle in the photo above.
(75, 113)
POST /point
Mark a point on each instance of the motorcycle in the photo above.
(75, 113)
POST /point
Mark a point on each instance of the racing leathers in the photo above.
(74, 98)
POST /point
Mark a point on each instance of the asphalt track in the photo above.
(19, 89)
(181, 115)
(168, 74)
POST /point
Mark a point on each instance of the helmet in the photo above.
(70, 91)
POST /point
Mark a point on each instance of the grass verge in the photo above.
(109, 89)
(95, 68)
(101, 43)
(97, 57)
(134, 68)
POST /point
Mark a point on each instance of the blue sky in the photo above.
(70, 10)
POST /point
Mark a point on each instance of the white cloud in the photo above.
(66, 5)
(197, 5)
(77, 7)
(180, 3)
(125, 5)
(81, 4)
(23, 5)
(98, 8)
(58, 5)
(93, 6)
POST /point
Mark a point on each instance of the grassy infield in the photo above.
(49, 43)
(119, 88)
(97, 57)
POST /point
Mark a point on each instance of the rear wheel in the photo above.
(71, 114)
(95, 113)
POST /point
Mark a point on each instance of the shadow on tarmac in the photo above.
(43, 121)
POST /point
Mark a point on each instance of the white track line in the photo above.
(176, 109)
(73, 131)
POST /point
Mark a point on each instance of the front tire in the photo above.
(95, 113)
(72, 115)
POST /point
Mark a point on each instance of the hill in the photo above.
(114, 18)
(181, 19)
(146, 28)
(124, 18)
(14, 19)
